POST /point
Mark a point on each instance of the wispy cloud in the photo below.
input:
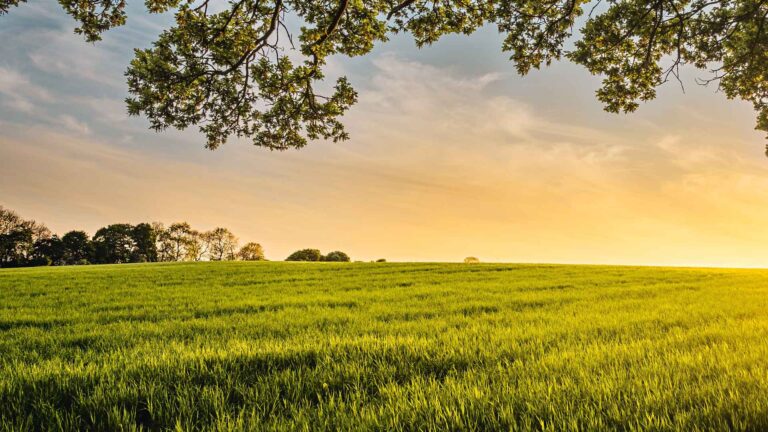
(74, 125)
(18, 93)
(67, 56)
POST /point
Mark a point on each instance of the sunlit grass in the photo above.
(242, 346)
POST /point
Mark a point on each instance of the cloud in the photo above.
(74, 124)
(18, 93)
(66, 55)
(429, 98)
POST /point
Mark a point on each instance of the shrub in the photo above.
(471, 260)
(306, 255)
(381, 260)
(337, 256)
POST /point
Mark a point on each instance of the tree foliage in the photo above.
(306, 255)
(48, 251)
(198, 245)
(251, 252)
(114, 244)
(223, 244)
(337, 256)
(179, 242)
(316, 255)
(175, 241)
(145, 241)
(18, 237)
(9, 220)
(226, 70)
(77, 247)
(15, 248)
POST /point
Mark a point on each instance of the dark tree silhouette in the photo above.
(48, 251)
(337, 256)
(114, 244)
(145, 240)
(77, 248)
(306, 255)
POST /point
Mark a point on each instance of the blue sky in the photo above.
(452, 154)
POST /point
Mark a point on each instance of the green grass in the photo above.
(264, 346)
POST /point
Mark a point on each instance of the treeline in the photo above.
(29, 243)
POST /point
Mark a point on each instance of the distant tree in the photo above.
(381, 260)
(77, 247)
(251, 252)
(159, 229)
(306, 255)
(174, 241)
(471, 260)
(198, 246)
(48, 251)
(337, 256)
(38, 230)
(114, 244)
(9, 221)
(14, 248)
(145, 243)
(17, 238)
(223, 244)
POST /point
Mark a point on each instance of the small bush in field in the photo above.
(306, 255)
(337, 256)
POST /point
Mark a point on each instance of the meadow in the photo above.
(364, 346)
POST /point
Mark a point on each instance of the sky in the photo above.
(452, 154)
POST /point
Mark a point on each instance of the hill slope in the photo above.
(383, 346)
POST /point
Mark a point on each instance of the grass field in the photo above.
(263, 346)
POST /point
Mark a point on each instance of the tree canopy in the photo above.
(225, 67)
(306, 255)
(18, 238)
(337, 256)
(251, 252)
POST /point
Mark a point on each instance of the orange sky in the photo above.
(451, 155)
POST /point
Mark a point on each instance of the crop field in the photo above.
(363, 346)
